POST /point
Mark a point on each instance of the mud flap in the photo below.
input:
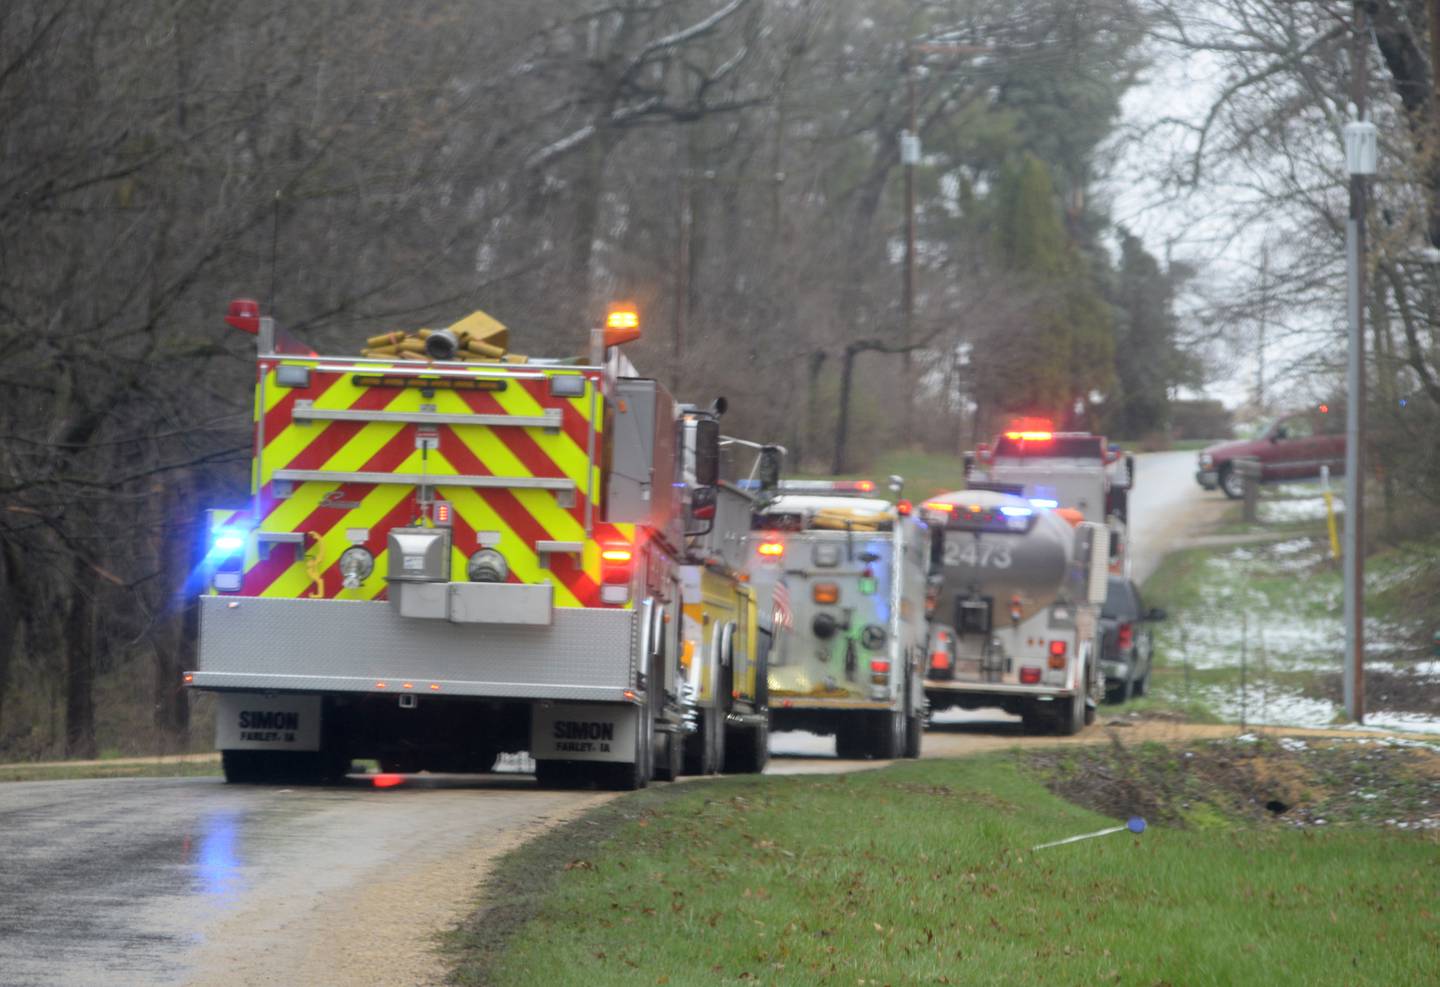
(583, 732)
(251, 721)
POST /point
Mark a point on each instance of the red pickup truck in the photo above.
(1294, 447)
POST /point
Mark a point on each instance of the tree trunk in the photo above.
(842, 425)
(78, 640)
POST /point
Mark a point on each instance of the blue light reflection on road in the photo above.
(217, 865)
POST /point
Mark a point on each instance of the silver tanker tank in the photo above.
(999, 549)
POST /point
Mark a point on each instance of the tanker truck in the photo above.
(1014, 603)
(844, 573)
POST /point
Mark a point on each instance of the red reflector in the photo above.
(189, 678)
(1127, 635)
(1057, 648)
(880, 666)
(940, 659)
(772, 549)
(387, 781)
(1029, 675)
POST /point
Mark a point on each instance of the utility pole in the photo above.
(1360, 162)
(909, 157)
(1264, 313)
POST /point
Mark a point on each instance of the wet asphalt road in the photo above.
(189, 881)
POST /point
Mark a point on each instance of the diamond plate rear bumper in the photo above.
(302, 645)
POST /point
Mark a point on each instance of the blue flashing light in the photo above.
(1016, 511)
(1044, 502)
(228, 541)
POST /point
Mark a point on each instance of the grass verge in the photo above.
(58, 771)
(923, 873)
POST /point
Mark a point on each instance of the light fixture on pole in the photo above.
(1360, 154)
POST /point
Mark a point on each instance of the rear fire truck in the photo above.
(1079, 471)
(1015, 604)
(846, 572)
(443, 560)
(726, 634)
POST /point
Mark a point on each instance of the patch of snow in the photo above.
(1293, 510)
(1390, 720)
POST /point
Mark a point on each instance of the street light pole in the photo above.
(910, 157)
(1360, 162)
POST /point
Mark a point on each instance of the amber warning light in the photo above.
(622, 325)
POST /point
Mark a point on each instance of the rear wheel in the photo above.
(914, 728)
(1142, 683)
(851, 737)
(705, 748)
(748, 750)
(887, 735)
(283, 767)
(668, 756)
(1071, 715)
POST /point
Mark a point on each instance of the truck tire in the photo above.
(1231, 483)
(747, 750)
(1034, 720)
(668, 756)
(887, 735)
(852, 735)
(283, 767)
(705, 748)
(914, 731)
(1070, 717)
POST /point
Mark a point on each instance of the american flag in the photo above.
(780, 601)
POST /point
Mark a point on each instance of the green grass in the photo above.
(118, 769)
(925, 474)
(923, 873)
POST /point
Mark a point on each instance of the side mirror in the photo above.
(707, 452)
(1156, 613)
(771, 462)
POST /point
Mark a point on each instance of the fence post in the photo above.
(1248, 469)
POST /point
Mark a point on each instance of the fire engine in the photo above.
(451, 552)
(726, 634)
(1078, 471)
(846, 573)
(1015, 604)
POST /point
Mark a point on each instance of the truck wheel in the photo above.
(668, 757)
(283, 767)
(632, 775)
(705, 748)
(1071, 718)
(559, 774)
(1232, 483)
(1033, 721)
(748, 750)
(887, 735)
(914, 730)
(851, 737)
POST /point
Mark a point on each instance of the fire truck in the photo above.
(845, 572)
(726, 634)
(451, 552)
(1077, 471)
(1015, 605)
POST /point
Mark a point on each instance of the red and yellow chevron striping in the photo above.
(339, 460)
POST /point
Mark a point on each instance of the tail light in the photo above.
(825, 593)
(1057, 654)
(1127, 635)
(1030, 675)
(879, 670)
(1016, 609)
(616, 564)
